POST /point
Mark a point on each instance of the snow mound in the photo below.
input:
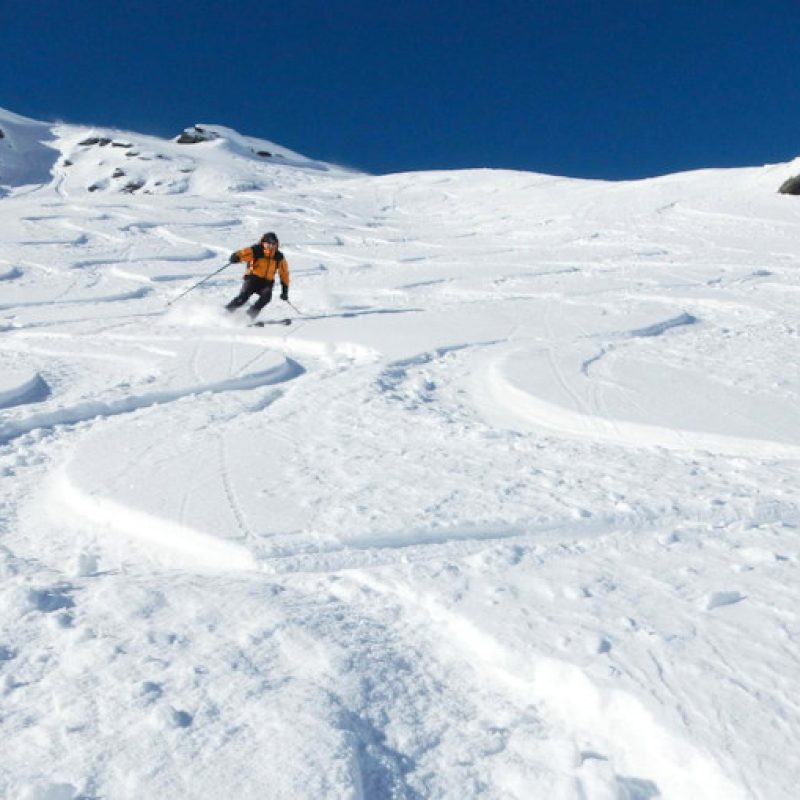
(102, 160)
(19, 387)
(27, 155)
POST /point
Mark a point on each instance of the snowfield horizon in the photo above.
(509, 510)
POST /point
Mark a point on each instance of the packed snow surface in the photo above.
(509, 511)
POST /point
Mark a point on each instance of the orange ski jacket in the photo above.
(261, 263)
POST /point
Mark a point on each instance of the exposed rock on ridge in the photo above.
(791, 186)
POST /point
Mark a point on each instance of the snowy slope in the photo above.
(510, 511)
(25, 154)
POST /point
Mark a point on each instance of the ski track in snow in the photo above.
(87, 410)
(531, 535)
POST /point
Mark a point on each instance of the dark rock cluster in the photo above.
(791, 186)
(133, 186)
(121, 180)
(102, 141)
(195, 135)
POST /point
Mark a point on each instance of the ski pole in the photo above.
(175, 299)
(294, 307)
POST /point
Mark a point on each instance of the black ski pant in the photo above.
(253, 285)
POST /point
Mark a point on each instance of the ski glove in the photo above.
(234, 259)
(284, 292)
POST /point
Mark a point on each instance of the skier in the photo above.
(263, 261)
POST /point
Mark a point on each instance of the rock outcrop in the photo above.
(791, 186)
(195, 135)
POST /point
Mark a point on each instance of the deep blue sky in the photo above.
(613, 89)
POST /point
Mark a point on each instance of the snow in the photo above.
(509, 511)
(26, 156)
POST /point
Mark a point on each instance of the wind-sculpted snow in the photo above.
(658, 328)
(10, 274)
(17, 388)
(90, 410)
(25, 157)
(675, 768)
(598, 421)
(94, 409)
(509, 510)
(192, 547)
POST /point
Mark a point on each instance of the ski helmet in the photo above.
(269, 238)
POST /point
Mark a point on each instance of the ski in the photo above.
(262, 322)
